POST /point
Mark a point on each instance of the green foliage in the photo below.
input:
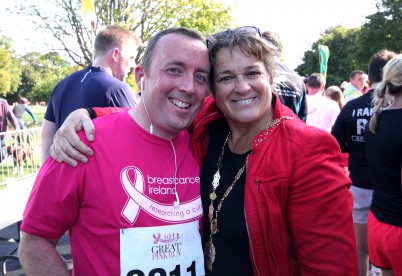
(5, 82)
(208, 17)
(64, 20)
(34, 75)
(383, 30)
(10, 71)
(351, 49)
(40, 74)
(340, 42)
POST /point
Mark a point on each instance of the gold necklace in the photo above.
(209, 251)
(210, 248)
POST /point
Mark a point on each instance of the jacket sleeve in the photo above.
(102, 111)
(11, 117)
(320, 210)
(303, 111)
(30, 113)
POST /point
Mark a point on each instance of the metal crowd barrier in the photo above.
(19, 155)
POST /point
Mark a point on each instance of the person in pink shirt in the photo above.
(135, 207)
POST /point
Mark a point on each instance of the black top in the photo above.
(231, 242)
(384, 153)
(290, 88)
(348, 130)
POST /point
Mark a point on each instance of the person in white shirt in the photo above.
(322, 112)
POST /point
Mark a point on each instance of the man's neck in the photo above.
(103, 65)
(317, 92)
(353, 87)
(140, 116)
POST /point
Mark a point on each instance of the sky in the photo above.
(298, 22)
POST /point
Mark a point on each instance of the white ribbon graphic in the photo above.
(186, 211)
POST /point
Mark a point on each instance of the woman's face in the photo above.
(242, 87)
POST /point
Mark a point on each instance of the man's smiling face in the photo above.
(177, 82)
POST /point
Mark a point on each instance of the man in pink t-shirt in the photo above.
(134, 207)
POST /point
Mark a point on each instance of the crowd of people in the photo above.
(349, 130)
(228, 164)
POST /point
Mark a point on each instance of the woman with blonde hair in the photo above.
(335, 93)
(384, 153)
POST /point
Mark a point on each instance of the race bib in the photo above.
(173, 250)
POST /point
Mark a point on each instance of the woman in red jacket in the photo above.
(275, 193)
(274, 190)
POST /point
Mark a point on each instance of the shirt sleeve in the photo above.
(30, 112)
(53, 205)
(303, 111)
(122, 96)
(49, 115)
(339, 131)
(11, 117)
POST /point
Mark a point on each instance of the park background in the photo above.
(57, 36)
(42, 41)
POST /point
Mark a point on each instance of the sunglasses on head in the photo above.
(228, 33)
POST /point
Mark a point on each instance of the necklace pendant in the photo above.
(210, 212)
(215, 182)
(212, 196)
(214, 226)
(209, 254)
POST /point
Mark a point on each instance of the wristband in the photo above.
(91, 112)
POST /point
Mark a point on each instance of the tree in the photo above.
(342, 45)
(41, 73)
(352, 49)
(64, 20)
(382, 31)
(208, 17)
(5, 76)
(10, 72)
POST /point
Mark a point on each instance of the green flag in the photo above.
(324, 56)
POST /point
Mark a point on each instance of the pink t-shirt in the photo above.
(128, 183)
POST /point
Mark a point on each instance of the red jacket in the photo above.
(297, 202)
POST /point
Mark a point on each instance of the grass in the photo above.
(38, 111)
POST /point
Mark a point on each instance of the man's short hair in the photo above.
(377, 63)
(354, 73)
(316, 80)
(274, 39)
(113, 36)
(147, 58)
